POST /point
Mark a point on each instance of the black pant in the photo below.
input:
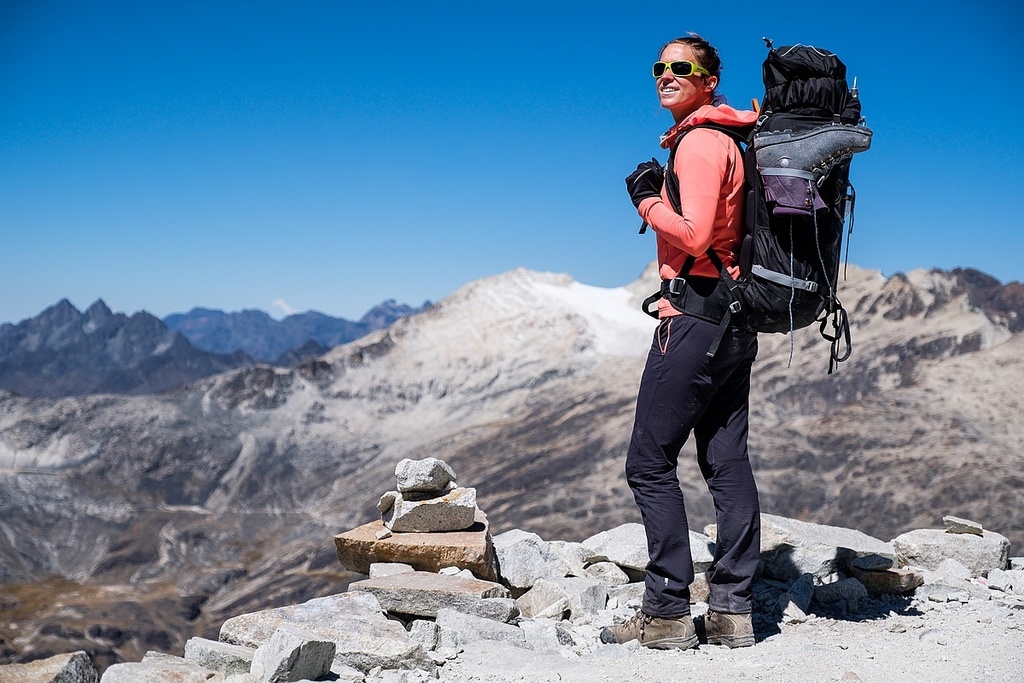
(682, 390)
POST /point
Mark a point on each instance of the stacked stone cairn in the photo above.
(438, 583)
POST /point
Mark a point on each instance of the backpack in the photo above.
(798, 200)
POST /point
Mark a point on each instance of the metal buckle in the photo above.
(735, 307)
(672, 286)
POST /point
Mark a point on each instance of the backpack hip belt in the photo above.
(713, 303)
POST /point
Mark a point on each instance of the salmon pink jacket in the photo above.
(709, 167)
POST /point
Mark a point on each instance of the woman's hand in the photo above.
(645, 182)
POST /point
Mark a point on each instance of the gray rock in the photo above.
(217, 656)
(625, 545)
(1007, 581)
(74, 667)
(959, 525)
(574, 555)
(292, 654)
(545, 635)
(629, 595)
(524, 557)
(927, 548)
(467, 628)
(167, 669)
(841, 590)
(455, 571)
(702, 552)
(790, 548)
(952, 569)
(354, 622)
(1017, 563)
(795, 602)
(428, 475)
(607, 573)
(379, 569)
(422, 594)
(575, 596)
(453, 511)
(872, 562)
(425, 633)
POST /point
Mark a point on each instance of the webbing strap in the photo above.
(783, 279)
(791, 172)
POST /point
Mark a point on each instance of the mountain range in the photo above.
(171, 511)
(265, 339)
(66, 352)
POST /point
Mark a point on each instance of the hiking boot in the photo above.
(731, 630)
(661, 634)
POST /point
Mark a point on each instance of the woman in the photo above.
(683, 388)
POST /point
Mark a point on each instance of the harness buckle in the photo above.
(676, 286)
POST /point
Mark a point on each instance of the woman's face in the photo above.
(683, 95)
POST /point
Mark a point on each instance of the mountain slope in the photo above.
(225, 492)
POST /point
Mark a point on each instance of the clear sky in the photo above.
(321, 155)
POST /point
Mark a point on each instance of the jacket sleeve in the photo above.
(701, 164)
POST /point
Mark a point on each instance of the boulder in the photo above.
(428, 475)
(217, 656)
(74, 667)
(570, 597)
(607, 573)
(625, 545)
(849, 590)
(791, 548)
(363, 637)
(458, 628)
(422, 594)
(524, 558)
(544, 635)
(1007, 581)
(292, 654)
(452, 511)
(926, 548)
(161, 667)
(430, 552)
(574, 555)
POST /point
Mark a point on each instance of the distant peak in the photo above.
(98, 310)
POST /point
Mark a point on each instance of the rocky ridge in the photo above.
(65, 352)
(279, 341)
(818, 588)
(216, 498)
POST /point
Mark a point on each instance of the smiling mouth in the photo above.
(669, 89)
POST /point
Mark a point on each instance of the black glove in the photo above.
(645, 181)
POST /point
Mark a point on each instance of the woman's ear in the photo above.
(710, 83)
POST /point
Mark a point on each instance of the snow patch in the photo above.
(619, 328)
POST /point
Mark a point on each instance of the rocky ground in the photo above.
(944, 644)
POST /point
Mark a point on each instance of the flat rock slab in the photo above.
(524, 558)
(455, 510)
(959, 525)
(364, 638)
(162, 669)
(927, 548)
(430, 552)
(74, 667)
(887, 581)
(424, 593)
(217, 656)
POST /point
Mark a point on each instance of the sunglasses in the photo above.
(682, 68)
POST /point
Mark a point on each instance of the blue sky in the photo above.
(330, 155)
